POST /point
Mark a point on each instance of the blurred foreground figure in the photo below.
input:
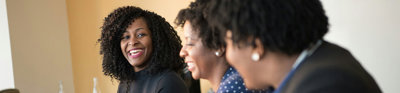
(279, 44)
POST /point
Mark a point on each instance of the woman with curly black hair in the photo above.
(204, 53)
(141, 50)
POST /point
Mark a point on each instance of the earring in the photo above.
(217, 54)
(255, 57)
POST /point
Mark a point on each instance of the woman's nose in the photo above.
(183, 52)
(133, 41)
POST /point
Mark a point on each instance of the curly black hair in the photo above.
(165, 41)
(286, 26)
(211, 38)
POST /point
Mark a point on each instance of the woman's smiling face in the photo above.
(136, 44)
(200, 59)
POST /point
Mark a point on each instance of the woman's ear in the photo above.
(220, 52)
(258, 50)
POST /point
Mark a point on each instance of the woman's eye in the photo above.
(141, 35)
(190, 44)
(126, 37)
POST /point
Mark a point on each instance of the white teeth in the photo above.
(135, 51)
(190, 64)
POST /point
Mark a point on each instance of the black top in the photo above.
(163, 82)
(330, 69)
(192, 84)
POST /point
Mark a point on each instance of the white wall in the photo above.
(370, 29)
(40, 45)
(6, 70)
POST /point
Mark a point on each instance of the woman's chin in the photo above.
(195, 76)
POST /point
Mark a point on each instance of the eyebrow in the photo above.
(189, 37)
(138, 29)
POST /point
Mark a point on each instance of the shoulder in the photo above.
(333, 80)
(331, 69)
(331, 58)
(171, 82)
(122, 87)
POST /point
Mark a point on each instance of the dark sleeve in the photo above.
(335, 81)
(171, 83)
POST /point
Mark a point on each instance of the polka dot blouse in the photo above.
(232, 82)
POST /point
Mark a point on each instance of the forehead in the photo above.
(188, 30)
(138, 23)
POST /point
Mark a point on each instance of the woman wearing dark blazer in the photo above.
(279, 44)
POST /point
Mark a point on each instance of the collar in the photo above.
(303, 55)
(306, 53)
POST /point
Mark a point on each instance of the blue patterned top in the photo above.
(232, 82)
